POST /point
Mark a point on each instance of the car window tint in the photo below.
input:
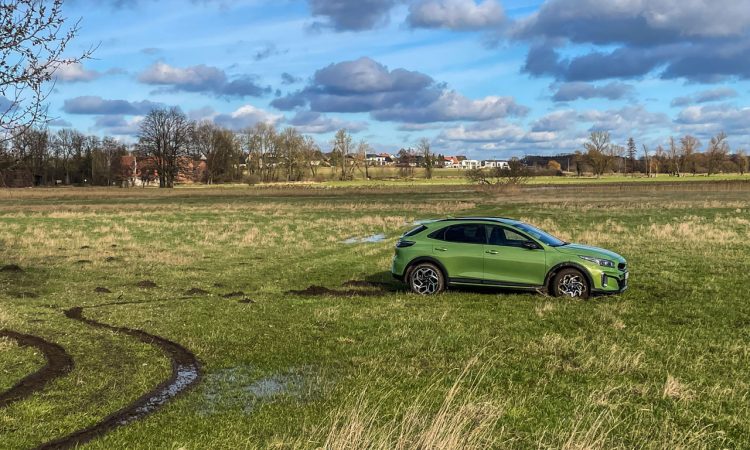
(503, 236)
(469, 234)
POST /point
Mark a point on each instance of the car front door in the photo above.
(460, 248)
(508, 261)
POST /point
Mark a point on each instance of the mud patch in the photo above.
(11, 268)
(111, 259)
(58, 363)
(196, 291)
(102, 290)
(85, 247)
(25, 295)
(234, 294)
(84, 261)
(186, 372)
(375, 238)
(366, 284)
(239, 388)
(321, 291)
(246, 301)
(146, 284)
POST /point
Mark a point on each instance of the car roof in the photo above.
(503, 220)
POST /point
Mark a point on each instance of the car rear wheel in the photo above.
(426, 279)
(571, 283)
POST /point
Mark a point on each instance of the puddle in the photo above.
(373, 239)
(239, 388)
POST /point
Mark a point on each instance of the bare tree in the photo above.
(513, 175)
(363, 148)
(675, 156)
(717, 152)
(342, 146)
(689, 146)
(647, 158)
(598, 151)
(216, 146)
(423, 148)
(261, 145)
(33, 38)
(741, 161)
(164, 136)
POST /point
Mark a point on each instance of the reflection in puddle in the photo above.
(375, 238)
(239, 388)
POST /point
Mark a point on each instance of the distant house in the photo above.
(451, 162)
(495, 163)
(374, 159)
(470, 164)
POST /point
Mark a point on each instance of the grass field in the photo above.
(364, 364)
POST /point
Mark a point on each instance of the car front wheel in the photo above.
(426, 279)
(571, 283)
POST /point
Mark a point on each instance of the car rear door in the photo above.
(508, 262)
(460, 248)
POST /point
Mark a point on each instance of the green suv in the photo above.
(491, 251)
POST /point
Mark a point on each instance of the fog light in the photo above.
(604, 280)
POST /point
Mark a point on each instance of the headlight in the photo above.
(601, 262)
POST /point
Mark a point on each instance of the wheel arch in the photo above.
(425, 259)
(567, 265)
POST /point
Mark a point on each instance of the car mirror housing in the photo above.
(531, 245)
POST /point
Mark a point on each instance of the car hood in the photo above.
(585, 250)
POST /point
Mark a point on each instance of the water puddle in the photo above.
(375, 238)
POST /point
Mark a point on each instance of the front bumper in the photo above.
(610, 282)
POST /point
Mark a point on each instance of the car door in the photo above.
(509, 262)
(460, 248)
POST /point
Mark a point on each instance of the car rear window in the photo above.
(466, 233)
(415, 231)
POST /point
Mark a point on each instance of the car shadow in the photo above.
(385, 281)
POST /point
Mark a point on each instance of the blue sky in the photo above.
(484, 78)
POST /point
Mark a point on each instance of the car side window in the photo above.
(506, 237)
(467, 234)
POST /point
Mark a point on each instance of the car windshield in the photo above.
(541, 235)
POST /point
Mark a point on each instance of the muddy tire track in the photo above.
(186, 373)
(58, 363)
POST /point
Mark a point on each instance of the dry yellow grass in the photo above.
(676, 390)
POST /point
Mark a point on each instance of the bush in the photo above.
(251, 179)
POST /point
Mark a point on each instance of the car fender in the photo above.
(429, 259)
(566, 264)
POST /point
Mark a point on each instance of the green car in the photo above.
(492, 251)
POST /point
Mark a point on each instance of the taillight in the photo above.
(404, 244)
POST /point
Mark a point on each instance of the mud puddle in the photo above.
(58, 363)
(186, 372)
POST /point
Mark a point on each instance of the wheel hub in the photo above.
(425, 281)
(572, 286)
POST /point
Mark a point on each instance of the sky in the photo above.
(481, 78)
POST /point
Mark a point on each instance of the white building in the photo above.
(470, 164)
(493, 163)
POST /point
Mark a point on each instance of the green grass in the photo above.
(664, 365)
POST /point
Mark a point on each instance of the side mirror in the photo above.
(531, 245)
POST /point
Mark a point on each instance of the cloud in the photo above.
(697, 40)
(314, 122)
(710, 119)
(490, 131)
(91, 104)
(287, 78)
(347, 15)
(567, 92)
(202, 79)
(456, 15)
(710, 95)
(555, 121)
(624, 121)
(364, 85)
(118, 125)
(73, 73)
(266, 52)
(59, 123)
(243, 117)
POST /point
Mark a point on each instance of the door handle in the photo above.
(492, 252)
(441, 249)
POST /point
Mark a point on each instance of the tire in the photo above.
(426, 279)
(571, 283)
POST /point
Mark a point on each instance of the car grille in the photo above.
(622, 266)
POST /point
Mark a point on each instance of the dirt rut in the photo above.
(186, 372)
(58, 363)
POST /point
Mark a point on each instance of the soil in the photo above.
(246, 301)
(186, 372)
(11, 268)
(102, 290)
(146, 284)
(234, 294)
(196, 291)
(58, 363)
(85, 247)
(111, 259)
(83, 261)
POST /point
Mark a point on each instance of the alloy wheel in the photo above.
(571, 285)
(425, 281)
